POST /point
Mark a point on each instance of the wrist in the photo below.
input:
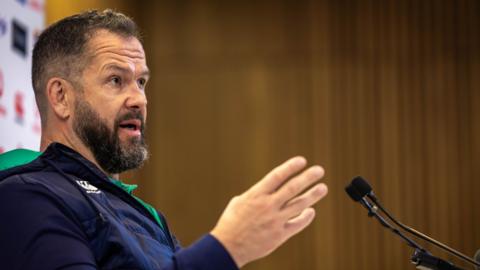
(232, 245)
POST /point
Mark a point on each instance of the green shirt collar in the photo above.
(128, 188)
(17, 157)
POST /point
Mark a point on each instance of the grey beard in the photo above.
(105, 144)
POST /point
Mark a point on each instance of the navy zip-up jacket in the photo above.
(61, 212)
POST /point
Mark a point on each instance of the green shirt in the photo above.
(19, 157)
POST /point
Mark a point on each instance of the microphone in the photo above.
(358, 191)
(359, 188)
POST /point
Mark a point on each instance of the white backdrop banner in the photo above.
(21, 21)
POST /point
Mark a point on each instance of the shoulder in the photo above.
(38, 224)
(20, 185)
(32, 186)
(26, 192)
(23, 194)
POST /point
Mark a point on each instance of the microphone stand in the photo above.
(418, 234)
(421, 258)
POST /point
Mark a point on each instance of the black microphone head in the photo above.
(353, 193)
(358, 188)
(362, 186)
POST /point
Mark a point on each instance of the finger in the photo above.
(300, 222)
(295, 206)
(299, 183)
(275, 178)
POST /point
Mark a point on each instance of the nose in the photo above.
(136, 100)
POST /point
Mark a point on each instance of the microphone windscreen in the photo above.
(353, 193)
(361, 185)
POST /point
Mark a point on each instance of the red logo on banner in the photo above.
(3, 111)
(35, 5)
(19, 108)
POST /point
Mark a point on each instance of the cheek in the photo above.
(107, 114)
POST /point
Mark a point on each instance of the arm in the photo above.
(38, 232)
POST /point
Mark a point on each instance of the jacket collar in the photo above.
(72, 162)
(67, 159)
(25, 160)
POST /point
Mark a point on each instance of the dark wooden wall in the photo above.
(385, 89)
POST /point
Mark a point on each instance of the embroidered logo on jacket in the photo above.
(89, 188)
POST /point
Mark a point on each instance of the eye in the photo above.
(115, 80)
(142, 82)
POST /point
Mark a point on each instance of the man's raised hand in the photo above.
(258, 221)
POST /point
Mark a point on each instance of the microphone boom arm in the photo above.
(421, 258)
(421, 235)
(424, 260)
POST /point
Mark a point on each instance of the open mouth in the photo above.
(132, 124)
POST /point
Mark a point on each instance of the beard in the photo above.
(111, 154)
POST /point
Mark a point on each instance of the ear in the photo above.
(60, 97)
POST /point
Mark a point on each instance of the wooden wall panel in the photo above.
(384, 89)
(58, 9)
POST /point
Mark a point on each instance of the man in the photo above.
(64, 209)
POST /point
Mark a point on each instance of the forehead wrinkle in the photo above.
(108, 49)
(123, 47)
(120, 60)
(133, 53)
(125, 68)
